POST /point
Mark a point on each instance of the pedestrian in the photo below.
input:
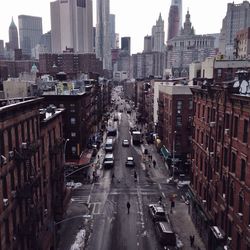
(192, 242)
(191, 239)
(128, 206)
(154, 163)
(160, 200)
(135, 176)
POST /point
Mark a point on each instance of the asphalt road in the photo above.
(111, 227)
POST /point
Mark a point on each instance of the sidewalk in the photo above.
(180, 218)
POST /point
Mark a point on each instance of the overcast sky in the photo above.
(134, 18)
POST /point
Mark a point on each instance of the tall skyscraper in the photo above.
(236, 19)
(72, 25)
(103, 45)
(30, 32)
(175, 19)
(125, 45)
(158, 36)
(13, 36)
(112, 31)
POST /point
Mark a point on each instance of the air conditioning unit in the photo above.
(223, 196)
(201, 144)
(3, 160)
(24, 145)
(11, 155)
(211, 154)
(13, 193)
(45, 212)
(5, 202)
(203, 118)
(204, 201)
(212, 124)
(227, 131)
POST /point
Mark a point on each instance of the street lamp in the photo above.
(67, 219)
(173, 160)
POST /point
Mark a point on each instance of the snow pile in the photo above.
(79, 242)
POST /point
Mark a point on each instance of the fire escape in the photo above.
(27, 194)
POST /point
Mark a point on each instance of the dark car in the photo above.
(125, 143)
(157, 212)
(165, 234)
(130, 162)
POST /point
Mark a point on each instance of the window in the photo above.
(190, 104)
(208, 114)
(178, 121)
(229, 228)
(227, 121)
(235, 131)
(199, 109)
(219, 73)
(225, 156)
(233, 162)
(216, 193)
(73, 120)
(243, 170)
(73, 150)
(241, 201)
(217, 163)
(219, 134)
(238, 243)
(213, 115)
(245, 132)
(201, 163)
(179, 107)
(202, 137)
(231, 195)
(73, 134)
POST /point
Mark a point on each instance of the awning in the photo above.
(85, 159)
(165, 152)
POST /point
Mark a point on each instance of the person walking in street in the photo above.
(128, 206)
(135, 176)
(191, 237)
(154, 163)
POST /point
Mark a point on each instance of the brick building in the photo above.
(32, 188)
(175, 123)
(219, 192)
(72, 64)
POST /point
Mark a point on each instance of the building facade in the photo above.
(112, 31)
(220, 167)
(242, 46)
(236, 19)
(32, 192)
(30, 32)
(70, 63)
(72, 26)
(103, 44)
(126, 45)
(175, 112)
(173, 22)
(187, 48)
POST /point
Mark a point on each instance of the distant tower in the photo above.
(147, 44)
(125, 44)
(175, 19)
(103, 44)
(13, 36)
(72, 26)
(158, 35)
(112, 31)
(30, 32)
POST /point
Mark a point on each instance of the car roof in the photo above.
(130, 158)
(109, 155)
(125, 140)
(157, 207)
(165, 226)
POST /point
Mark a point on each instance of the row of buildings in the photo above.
(203, 128)
(38, 138)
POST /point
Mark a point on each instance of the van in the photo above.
(108, 161)
(165, 234)
(109, 145)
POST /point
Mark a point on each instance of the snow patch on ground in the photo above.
(79, 241)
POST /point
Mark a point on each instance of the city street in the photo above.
(111, 227)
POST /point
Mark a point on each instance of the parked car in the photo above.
(108, 161)
(130, 162)
(157, 212)
(125, 143)
(165, 234)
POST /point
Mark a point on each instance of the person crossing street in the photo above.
(128, 206)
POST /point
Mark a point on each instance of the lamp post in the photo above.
(173, 160)
(65, 220)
